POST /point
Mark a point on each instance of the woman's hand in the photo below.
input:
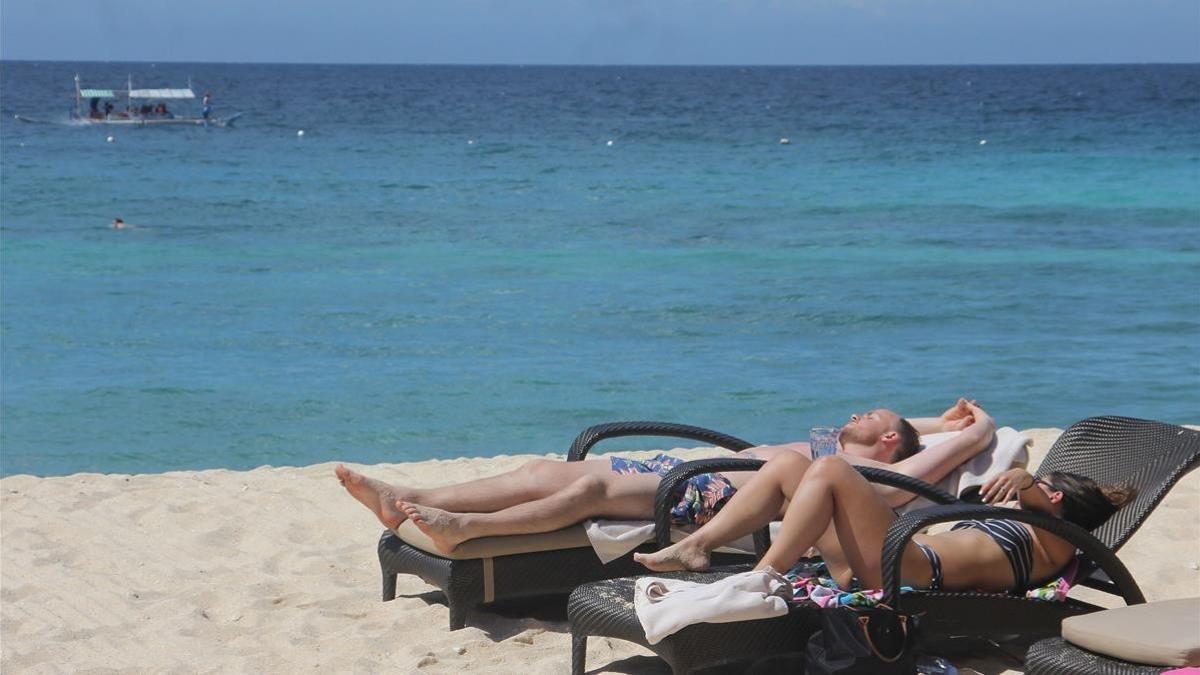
(1006, 486)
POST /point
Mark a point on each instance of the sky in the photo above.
(603, 32)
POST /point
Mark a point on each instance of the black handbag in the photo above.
(863, 640)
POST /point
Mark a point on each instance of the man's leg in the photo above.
(534, 480)
(609, 495)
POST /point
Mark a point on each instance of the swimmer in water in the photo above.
(118, 224)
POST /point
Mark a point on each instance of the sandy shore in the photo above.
(274, 570)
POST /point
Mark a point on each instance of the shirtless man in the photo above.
(545, 495)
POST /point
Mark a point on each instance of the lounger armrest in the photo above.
(909, 524)
(594, 434)
(907, 483)
(672, 483)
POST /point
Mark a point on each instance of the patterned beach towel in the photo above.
(811, 582)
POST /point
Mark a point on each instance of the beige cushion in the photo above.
(1158, 633)
(491, 547)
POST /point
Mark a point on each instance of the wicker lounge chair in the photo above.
(1151, 456)
(493, 569)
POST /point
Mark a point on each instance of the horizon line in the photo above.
(616, 65)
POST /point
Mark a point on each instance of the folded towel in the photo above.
(665, 606)
(1008, 448)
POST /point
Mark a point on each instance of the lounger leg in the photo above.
(458, 614)
(578, 654)
(389, 585)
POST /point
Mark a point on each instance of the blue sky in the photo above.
(604, 31)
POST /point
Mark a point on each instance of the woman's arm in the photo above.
(1020, 485)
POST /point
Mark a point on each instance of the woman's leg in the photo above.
(834, 493)
(534, 480)
(758, 502)
(611, 495)
(830, 492)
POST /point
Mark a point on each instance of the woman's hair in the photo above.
(1086, 503)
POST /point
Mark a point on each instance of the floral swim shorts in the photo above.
(703, 495)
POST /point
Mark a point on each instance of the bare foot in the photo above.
(443, 527)
(375, 495)
(674, 558)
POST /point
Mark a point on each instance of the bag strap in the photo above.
(864, 620)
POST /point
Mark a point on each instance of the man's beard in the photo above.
(852, 434)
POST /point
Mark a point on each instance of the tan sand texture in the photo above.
(274, 570)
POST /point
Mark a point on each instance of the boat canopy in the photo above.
(162, 93)
(96, 93)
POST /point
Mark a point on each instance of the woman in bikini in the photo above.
(836, 510)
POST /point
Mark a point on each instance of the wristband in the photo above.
(1032, 482)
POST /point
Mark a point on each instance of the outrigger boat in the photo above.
(150, 108)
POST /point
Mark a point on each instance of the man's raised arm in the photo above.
(956, 418)
(934, 463)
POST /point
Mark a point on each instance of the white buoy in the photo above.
(784, 141)
(983, 141)
(300, 134)
(609, 143)
(470, 141)
(110, 139)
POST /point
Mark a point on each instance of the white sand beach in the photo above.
(275, 570)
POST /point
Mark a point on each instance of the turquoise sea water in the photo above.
(455, 261)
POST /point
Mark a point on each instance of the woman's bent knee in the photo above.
(787, 463)
(829, 465)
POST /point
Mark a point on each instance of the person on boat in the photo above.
(108, 108)
(94, 108)
(544, 495)
(206, 110)
(835, 510)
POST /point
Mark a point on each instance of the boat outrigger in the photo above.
(143, 107)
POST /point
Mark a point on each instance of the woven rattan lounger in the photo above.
(1150, 456)
(494, 569)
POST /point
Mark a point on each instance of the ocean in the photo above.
(458, 260)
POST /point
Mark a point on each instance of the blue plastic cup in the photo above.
(823, 441)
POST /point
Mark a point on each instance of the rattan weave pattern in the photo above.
(1056, 656)
(1149, 455)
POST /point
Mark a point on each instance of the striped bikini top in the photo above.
(1014, 539)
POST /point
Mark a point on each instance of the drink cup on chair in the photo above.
(823, 441)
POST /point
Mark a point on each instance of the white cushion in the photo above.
(1163, 633)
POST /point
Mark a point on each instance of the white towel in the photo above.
(665, 606)
(1008, 448)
